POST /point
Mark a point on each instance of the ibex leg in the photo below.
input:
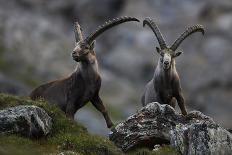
(97, 102)
(72, 108)
(181, 103)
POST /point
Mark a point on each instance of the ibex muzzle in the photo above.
(165, 85)
(73, 92)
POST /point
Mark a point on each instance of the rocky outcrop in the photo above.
(154, 124)
(203, 137)
(29, 121)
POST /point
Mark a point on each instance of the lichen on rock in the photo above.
(26, 120)
(154, 124)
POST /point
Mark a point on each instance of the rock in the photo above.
(158, 124)
(156, 147)
(29, 121)
(150, 126)
(201, 137)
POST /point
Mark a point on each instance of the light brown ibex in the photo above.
(73, 92)
(165, 85)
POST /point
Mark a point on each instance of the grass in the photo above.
(66, 136)
(166, 150)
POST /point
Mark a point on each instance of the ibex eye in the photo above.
(161, 59)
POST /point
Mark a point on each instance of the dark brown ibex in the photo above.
(165, 85)
(73, 92)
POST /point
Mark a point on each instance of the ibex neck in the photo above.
(88, 69)
(165, 75)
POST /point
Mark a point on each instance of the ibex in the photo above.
(165, 86)
(83, 85)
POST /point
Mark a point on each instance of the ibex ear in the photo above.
(177, 54)
(92, 45)
(158, 50)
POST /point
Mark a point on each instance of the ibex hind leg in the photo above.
(72, 108)
(173, 103)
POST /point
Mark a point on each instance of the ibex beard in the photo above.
(83, 85)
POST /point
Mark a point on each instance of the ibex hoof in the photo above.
(109, 125)
(184, 113)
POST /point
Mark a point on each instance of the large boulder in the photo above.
(203, 137)
(29, 121)
(154, 124)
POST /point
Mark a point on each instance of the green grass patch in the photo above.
(166, 150)
(66, 134)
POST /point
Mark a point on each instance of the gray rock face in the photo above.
(201, 137)
(151, 125)
(29, 121)
(160, 124)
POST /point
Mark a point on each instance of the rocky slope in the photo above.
(64, 135)
(55, 134)
(36, 39)
(157, 125)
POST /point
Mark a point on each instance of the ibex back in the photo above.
(165, 86)
(73, 92)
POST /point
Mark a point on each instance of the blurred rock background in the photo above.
(36, 39)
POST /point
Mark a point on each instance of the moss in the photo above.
(65, 135)
(166, 150)
(13, 144)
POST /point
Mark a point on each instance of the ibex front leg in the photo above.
(180, 100)
(98, 104)
(179, 97)
(72, 107)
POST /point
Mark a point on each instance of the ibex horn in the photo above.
(107, 25)
(148, 21)
(78, 32)
(188, 32)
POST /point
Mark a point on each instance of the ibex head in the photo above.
(84, 47)
(168, 53)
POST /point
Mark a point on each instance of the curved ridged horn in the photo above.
(78, 32)
(188, 32)
(107, 25)
(148, 21)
